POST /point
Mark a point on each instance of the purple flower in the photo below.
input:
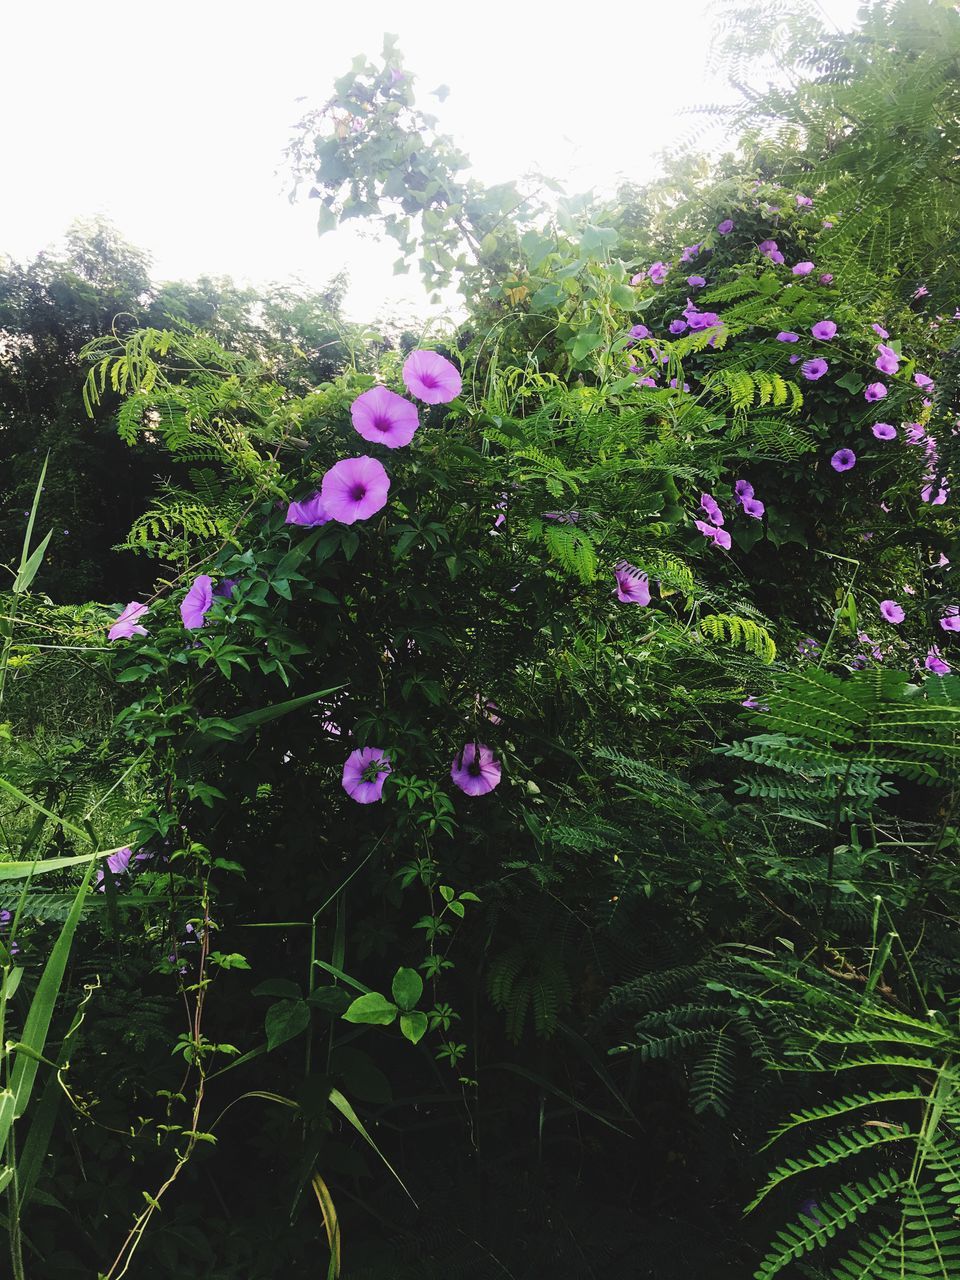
(814, 369)
(639, 331)
(475, 769)
(786, 335)
(843, 460)
(354, 489)
(194, 605)
(308, 513)
(719, 537)
(690, 252)
(701, 319)
(754, 704)
(657, 273)
(638, 278)
(118, 863)
(364, 773)
(753, 507)
(826, 278)
(803, 268)
(646, 382)
(824, 330)
(675, 384)
(633, 587)
(725, 227)
(920, 292)
(710, 506)
(226, 588)
(935, 663)
(125, 627)
(951, 619)
(794, 359)
(923, 382)
(776, 256)
(875, 391)
(565, 517)
(884, 431)
(431, 378)
(879, 329)
(892, 612)
(677, 326)
(808, 648)
(804, 202)
(936, 499)
(743, 489)
(768, 246)
(386, 418)
(696, 282)
(884, 364)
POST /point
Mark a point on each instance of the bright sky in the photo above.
(170, 119)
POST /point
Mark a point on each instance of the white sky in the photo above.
(170, 119)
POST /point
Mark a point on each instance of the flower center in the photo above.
(358, 493)
(429, 380)
(382, 424)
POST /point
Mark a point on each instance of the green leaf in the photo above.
(284, 1020)
(373, 1008)
(407, 988)
(585, 343)
(413, 1026)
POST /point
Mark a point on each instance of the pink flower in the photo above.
(125, 627)
(638, 278)
(194, 606)
(803, 268)
(382, 416)
(364, 773)
(719, 537)
(354, 489)
(935, 663)
(892, 612)
(657, 273)
(753, 507)
(475, 770)
(826, 278)
(804, 202)
(884, 431)
(309, 513)
(633, 587)
(951, 619)
(640, 330)
(767, 247)
(879, 329)
(924, 382)
(431, 378)
(874, 391)
(812, 370)
(824, 330)
(696, 282)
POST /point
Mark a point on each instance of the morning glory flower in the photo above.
(657, 273)
(196, 603)
(951, 619)
(701, 319)
(719, 537)
(921, 292)
(802, 268)
(812, 370)
(633, 587)
(786, 335)
(475, 769)
(753, 507)
(639, 331)
(690, 252)
(826, 278)
(677, 326)
(696, 282)
(709, 505)
(753, 703)
(725, 227)
(879, 329)
(804, 202)
(354, 489)
(824, 330)
(638, 278)
(935, 499)
(431, 378)
(923, 381)
(743, 489)
(309, 513)
(384, 417)
(767, 246)
(126, 625)
(364, 773)
(675, 384)
(892, 612)
(776, 256)
(935, 663)
(874, 391)
(843, 460)
(884, 431)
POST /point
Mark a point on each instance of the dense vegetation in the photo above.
(485, 805)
